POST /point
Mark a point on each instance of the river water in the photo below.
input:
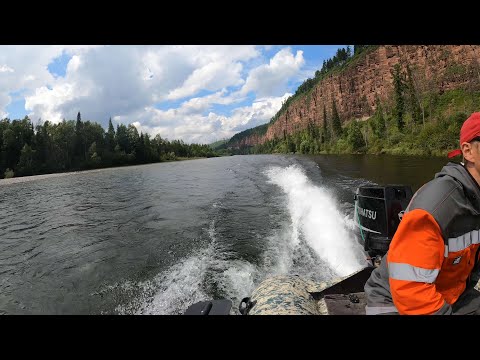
(156, 238)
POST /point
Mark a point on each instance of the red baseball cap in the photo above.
(470, 130)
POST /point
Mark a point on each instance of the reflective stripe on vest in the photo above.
(376, 310)
(401, 271)
(463, 241)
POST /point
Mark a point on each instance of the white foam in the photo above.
(183, 284)
(177, 288)
(315, 223)
(315, 216)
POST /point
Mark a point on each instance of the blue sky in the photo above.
(58, 66)
(194, 93)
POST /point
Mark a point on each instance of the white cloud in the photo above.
(47, 102)
(218, 67)
(120, 80)
(268, 47)
(260, 112)
(201, 104)
(212, 76)
(74, 64)
(100, 83)
(79, 49)
(28, 68)
(5, 68)
(127, 82)
(271, 79)
(192, 126)
(4, 101)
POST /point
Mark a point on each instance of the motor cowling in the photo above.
(378, 211)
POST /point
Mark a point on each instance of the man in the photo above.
(431, 265)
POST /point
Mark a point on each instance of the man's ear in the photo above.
(467, 150)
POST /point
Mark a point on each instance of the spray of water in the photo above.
(315, 216)
(174, 290)
(317, 229)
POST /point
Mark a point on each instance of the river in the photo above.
(154, 239)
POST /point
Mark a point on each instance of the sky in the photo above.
(194, 93)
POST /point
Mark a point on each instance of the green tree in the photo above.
(326, 135)
(4, 124)
(336, 123)
(357, 49)
(122, 138)
(148, 148)
(413, 102)
(110, 136)
(399, 101)
(10, 147)
(377, 122)
(80, 150)
(26, 163)
(304, 147)
(140, 149)
(41, 145)
(354, 136)
(349, 51)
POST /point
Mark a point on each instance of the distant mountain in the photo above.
(220, 144)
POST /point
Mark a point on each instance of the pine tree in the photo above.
(122, 138)
(357, 49)
(377, 122)
(326, 135)
(140, 149)
(336, 123)
(412, 98)
(110, 136)
(399, 102)
(80, 146)
(354, 136)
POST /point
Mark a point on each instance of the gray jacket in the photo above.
(453, 199)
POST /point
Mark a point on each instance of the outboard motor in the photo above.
(378, 211)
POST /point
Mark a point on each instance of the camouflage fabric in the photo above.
(288, 295)
(291, 295)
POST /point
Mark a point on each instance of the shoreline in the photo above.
(22, 179)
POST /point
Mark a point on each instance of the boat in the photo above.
(378, 212)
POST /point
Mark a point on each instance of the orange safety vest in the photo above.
(424, 272)
(434, 250)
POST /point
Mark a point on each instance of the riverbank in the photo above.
(22, 179)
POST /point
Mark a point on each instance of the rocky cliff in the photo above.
(355, 87)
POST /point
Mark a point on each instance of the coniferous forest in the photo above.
(28, 149)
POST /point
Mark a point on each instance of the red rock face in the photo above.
(434, 67)
(250, 141)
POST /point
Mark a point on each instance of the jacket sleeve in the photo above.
(414, 260)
